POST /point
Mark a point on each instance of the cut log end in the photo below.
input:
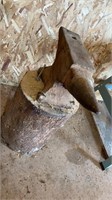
(28, 122)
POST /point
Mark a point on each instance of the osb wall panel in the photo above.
(29, 32)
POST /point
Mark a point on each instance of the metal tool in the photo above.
(73, 68)
(103, 121)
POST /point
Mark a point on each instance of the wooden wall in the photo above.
(29, 32)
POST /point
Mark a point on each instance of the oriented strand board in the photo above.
(29, 32)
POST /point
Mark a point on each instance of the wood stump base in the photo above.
(28, 123)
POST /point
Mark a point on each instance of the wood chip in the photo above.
(6, 64)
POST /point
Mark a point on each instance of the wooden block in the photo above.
(27, 123)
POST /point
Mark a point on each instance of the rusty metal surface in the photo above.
(73, 68)
(103, 123)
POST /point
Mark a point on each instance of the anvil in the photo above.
(73, 68)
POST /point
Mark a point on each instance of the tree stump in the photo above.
(27, 123)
